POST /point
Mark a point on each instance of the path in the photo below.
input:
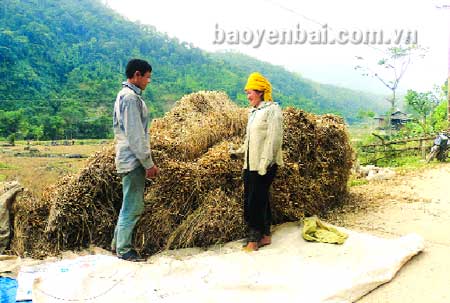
(418, 202)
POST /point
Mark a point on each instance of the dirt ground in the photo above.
(417, 202)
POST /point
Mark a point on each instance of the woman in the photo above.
(262, 156)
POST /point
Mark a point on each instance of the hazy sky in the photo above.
(203, 22)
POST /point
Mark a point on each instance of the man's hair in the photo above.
(137, 65)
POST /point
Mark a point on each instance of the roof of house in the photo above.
(397, 115)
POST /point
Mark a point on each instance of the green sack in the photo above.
(318, 231)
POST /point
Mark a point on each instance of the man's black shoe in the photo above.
(132, 256)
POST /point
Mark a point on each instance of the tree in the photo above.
(365, 114)
(53, 127)
(10, 122)
(422, 104)
(69, 59)
(36, 132)
(439, 117)
(390, 69)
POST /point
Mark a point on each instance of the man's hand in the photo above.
(152, 172)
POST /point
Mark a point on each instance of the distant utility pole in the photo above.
(447, 6)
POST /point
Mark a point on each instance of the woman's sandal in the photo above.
(251, 246)
(267, 241)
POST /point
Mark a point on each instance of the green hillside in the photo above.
(293, 90)
(62, 62)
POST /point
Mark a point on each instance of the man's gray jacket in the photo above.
(131, 134)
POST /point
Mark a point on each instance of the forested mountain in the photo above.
(62, 62)
(293, 90)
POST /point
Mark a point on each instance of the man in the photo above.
(133, 155)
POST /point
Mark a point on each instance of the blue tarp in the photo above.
(8, 290)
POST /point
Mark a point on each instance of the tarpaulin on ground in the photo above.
(289, 270)
(8, 289)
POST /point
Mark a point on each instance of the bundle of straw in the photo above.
(197, 198)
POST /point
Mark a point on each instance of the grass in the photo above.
(46, 147)
(407, 164)
(356, 182)
(61, 142)
(392, 157)
(6, 166)
(358, 132)
(35, 173)
(401, 163)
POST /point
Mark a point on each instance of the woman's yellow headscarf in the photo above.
(256, 81)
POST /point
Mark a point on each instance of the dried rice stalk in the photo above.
(197, 122)
(196, 200)
(29, 220)
(219, 219)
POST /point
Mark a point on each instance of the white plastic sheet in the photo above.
(289, 270)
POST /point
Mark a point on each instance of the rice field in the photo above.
(45, 163)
